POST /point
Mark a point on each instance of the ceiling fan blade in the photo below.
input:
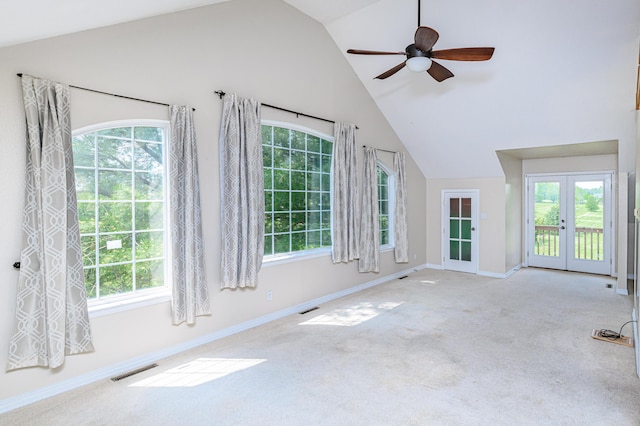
(373, 52)
(438, 72)
(464, 54)
(392, 71)
(425, 38)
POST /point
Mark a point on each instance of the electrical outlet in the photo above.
(269, 295)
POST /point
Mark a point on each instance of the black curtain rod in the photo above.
(116, 95)
(221, 94)
(380, 149)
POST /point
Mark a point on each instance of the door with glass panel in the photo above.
(459, 214)
(569, 222)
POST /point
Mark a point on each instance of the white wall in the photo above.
(263, 49)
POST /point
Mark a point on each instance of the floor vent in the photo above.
(308, 310)
(132, 372)
(403, 277)
(609, 285)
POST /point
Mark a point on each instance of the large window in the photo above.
(120, 182)
(297, 180)
(385, 205)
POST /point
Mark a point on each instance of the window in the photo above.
(385, 205)
(297, 181)
(120, 182)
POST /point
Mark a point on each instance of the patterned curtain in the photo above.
(369, 224)
(51, 307)
(190, 291)
(400, 215)
(346, 205)
(242, 200)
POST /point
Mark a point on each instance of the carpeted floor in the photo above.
(436, 348)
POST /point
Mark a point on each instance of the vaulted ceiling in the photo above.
(564, 72)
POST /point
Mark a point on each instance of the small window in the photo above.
(385, 205)
(297, 181)
(120, 183)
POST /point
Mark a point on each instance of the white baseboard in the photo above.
(141, 361)
(433, 266)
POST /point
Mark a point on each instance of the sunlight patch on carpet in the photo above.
(353, 315)
(197, 372)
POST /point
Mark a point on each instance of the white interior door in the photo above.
(460, 230)
(569, 222)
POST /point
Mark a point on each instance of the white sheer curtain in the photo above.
(190, 291)
(369, 225)
(242, 202)
(400, 213)
(51, 307)
(346, 205)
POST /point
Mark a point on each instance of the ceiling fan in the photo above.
(420, 54)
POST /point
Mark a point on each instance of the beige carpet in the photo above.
(436, 348)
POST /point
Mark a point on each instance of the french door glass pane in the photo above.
(589, 217)
(547, 218)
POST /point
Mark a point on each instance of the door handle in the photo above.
(562, 227)
(473, 228)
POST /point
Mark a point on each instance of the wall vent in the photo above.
(132, 372)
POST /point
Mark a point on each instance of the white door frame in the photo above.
(457, 265)
(609, 219)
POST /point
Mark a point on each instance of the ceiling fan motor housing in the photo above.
(413, 52)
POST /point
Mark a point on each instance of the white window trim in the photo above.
(282, 258)
(141, 298)
(391, 183)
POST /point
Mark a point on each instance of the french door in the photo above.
(459, 227)
(569, 222)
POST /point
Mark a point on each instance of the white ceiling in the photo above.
(564, 72)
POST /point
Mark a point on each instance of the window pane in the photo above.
(297, 179)
(267, 136)
(121, 132)
(149, 274)
(327, 147)
(281, 201)
(298, 201)
(313, 162)
(282, 243)
(85, 184)
(281, 179)
(149, 245)
(281, 137)
(148, 134)
(148, 156)
(454, 249)
(87, 217)
(313, 143)
(454, 228)
(114, 153)
(114, 185)
(84, 151)
(465, 251)
(268, 201)
(466, 207)
(149, 186)
(281, 158)
(298, 221)
(115, 217)
(281, 222)
(454, 207)
(149, 215)
(115, 248)
(123, 242)
(298, 140)
(116, 279)
(88, 244)
(313, 181)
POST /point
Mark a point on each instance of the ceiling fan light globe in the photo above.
(418, 63)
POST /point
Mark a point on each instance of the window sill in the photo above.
(278, 259)
(115, 304)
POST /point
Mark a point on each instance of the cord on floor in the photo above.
(612, 335)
